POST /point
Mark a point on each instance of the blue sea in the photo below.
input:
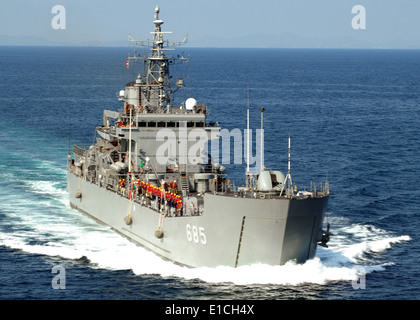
(353, 117)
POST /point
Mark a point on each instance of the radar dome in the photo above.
(190, 104)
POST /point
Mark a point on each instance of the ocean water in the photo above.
(353, 116)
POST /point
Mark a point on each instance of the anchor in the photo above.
(325, 237)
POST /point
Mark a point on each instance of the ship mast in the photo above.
(158, 67)
(157, 88)
(248, 178)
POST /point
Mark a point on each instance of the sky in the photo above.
(215, 23)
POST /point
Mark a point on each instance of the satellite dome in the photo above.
(190, 104)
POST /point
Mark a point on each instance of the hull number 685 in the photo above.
(196, 234)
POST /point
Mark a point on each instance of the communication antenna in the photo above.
(289, 175)
(262, 139)
(69, 133)
(129, 146)
(247, 141)
(156, 75)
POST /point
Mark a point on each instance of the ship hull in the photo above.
(232, 231)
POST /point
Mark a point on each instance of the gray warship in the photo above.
(187, 211)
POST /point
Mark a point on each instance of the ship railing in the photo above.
(322, 187)
(108, 130)
(80, 150)
(157, 204)
(320, 190)
(200, 109)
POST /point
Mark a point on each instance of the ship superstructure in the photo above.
(150, 181)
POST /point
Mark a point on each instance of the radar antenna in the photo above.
(157, 76)
(288, 178)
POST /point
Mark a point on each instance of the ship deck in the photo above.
(160, 206)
